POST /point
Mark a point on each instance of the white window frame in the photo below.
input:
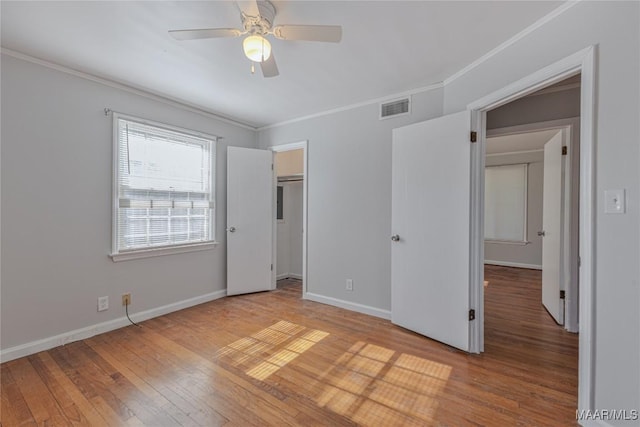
(525, 207)
(117, 255)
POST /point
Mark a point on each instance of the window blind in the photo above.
(165, 187)
(505, 201)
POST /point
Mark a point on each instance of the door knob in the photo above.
(231, 229)
(541, 233)
(395, 238)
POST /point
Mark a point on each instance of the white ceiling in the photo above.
(387, 47)
(519, 142)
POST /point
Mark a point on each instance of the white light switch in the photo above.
(614, 201)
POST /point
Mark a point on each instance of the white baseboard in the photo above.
(89, 331)
(348, 305)
(594, 423)
(289, 276)
(513, 264)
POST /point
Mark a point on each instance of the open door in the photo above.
(430, 227)
(249, 220)
(552, 218)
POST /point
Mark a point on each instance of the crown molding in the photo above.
(522, 34)
(356, 105)
(146, 93)
(199, 110)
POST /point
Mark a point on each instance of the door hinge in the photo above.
(474, 136)
(271, 267)
(579, 262)
(564, 150)
(472, 315)
(562, 294)
(271, 166)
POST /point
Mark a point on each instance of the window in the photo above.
(164, 189)
(505, 201)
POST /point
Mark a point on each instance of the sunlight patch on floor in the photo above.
(271, 348)
(373, 385)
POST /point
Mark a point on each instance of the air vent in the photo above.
(395, 108)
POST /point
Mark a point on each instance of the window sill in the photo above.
(507, 242)
(148, 253)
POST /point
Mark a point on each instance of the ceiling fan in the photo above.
(257, 21)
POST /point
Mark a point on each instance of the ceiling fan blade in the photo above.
(249, 7)
(269, 67)
(204, 33)
(314, 33)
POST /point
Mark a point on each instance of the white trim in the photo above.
(555, 89)
(348, 305)
(289, 147)
(586, 374)
(165, 126)
(595, 423)
(476, 232)
(533, 127)
(507, 242)
(582, 62)
(509, 153)
(395, 96)
(513, 264)
(170, 250)
(99, 328)
(522, 34)
(549, 75)
(127, 87)
(304, 145)
(115, 189)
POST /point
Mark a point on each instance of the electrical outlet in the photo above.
(349, 285)
(126, 299)
(103, 303)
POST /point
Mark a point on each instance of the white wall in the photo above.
(349, 197)
(530, 254)
(615, 29)
(539, 108)
(56, 206)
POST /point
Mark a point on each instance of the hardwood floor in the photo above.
(274, 359)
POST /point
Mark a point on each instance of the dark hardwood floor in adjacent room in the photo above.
(274, 359)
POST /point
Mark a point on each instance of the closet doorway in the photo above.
(290, 214)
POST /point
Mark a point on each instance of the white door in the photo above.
(552, 189)
(430, 229)
(249, 220)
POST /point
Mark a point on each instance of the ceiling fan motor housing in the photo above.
(263, 23)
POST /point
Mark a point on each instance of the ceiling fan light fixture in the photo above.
(257, 48)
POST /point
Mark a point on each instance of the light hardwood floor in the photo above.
(274, 359)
